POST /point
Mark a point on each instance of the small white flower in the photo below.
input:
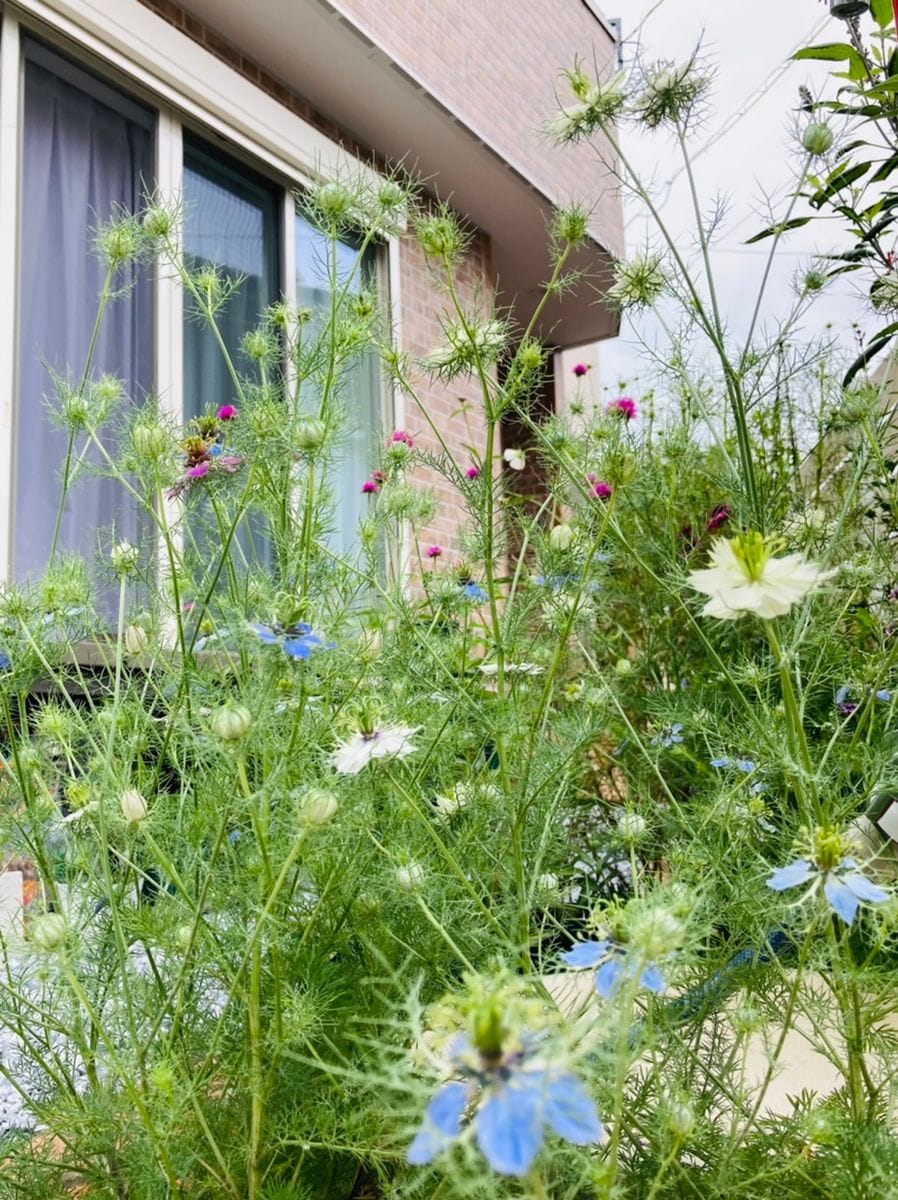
(744, 578)
(362, 748)
(448, 806)
(136, 640)
(525, 668)
(516, 459)
(134, 807)
(124, 557)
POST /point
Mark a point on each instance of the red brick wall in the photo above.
(495, 64)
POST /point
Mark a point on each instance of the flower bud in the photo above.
(561, 537)
(817, 138)
(631, 826)
(623, 667)
(136, 639)
(681, 1119)
(124, 557)
(149, 441)
(48, 932)
(184, 936)
(310, 434)
(134, 807)
(231, 722)
(319, 807)
(410, 877)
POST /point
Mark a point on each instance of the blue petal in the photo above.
(5, 661)
(864, 888)
(445, 1109)
(842, 899)
(586, 954)
(884, 695)
(300, 627)
(791, 876)
(608, 976)
(299, 647)
(745, 765)
(510, 1129)
(721, 763)
(570, 1111)
(842, 694)
(427, 1144)
(266, 635)
(652, 979)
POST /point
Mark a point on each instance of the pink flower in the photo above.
(624, 407)
(434, 551)
(580, 369)
(399, 435)
(370, 485)
(199, 471)
(473, 472)
(602, 490)
(228, 412)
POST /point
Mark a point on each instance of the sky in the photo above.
(748, 43)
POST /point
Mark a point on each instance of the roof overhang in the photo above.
(326, 59)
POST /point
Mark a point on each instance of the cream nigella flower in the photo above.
(745, 578)
(364, 746)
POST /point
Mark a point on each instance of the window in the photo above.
(360, 396)
(87, 150)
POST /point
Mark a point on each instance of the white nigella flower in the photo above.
(464, 346)
(637, 283)
(516, 459)
(364, 747)
(745, 578)
(525, 668)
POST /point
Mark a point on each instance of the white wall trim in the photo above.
(177, 70)
(10, 107)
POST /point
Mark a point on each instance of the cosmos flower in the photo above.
(370, 486)
(844, 886)
(363, 747)
(580, 369)
(228, 412)
(745, 578)
(509, 1099)
(400, 436)
(434, 551)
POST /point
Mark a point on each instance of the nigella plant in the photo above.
(636, 943)
(296, 640)
(507, 1086)
(831, 868)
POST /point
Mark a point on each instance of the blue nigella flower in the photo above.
(511, 1102)
(614, 965)
(745, 765)
(474, 592)
(845, 887)
(5, 661)
(884, 695)
(669, 737)
(298, 641)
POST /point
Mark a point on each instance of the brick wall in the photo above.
(496, 66)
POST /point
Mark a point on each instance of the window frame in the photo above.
(191, 92)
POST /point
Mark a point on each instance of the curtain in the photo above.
(87, 150)
(360, 385)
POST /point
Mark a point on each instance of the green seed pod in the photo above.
(231, 722)
(817, 138)
(310, 434)
(48, 932)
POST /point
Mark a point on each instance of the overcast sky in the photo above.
(749, 43)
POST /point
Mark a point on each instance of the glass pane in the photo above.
(87, 151)
(360, 394)
(230, 221)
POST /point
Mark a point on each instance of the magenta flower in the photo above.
(399, 435)
(719, 517)
(473, 472)
(434, 551)
(199, 471)
(624, 407)
(601, 490)
(228, 412)
(370, 486)
(580, 369)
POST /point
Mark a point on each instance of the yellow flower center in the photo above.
(752, 550)
(829, 848)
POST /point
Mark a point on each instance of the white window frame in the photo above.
(189, 87)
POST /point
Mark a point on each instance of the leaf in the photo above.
(879, 342)
(830, 52)
(882, 12)
(842, 177)
(782, 227)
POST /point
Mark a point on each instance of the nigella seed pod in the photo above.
(48, 932)
(231, 722)
(561, 537)
(134, 807)
(124, 557)
(149, 441)
(817, 138)
(136, 640)
(310, 434)
(319, 807)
